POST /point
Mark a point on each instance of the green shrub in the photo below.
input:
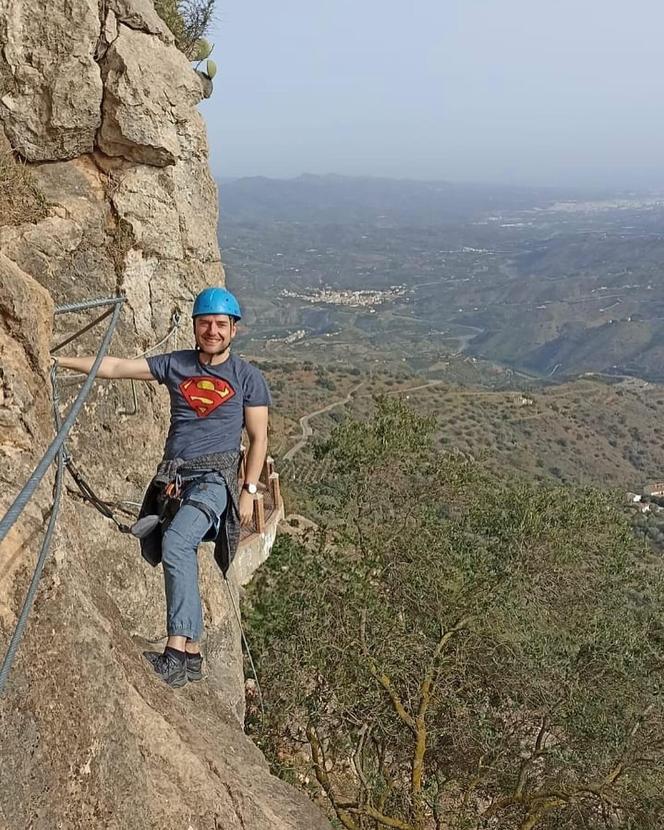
(459, 649)
(189, 21)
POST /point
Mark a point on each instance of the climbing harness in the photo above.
(169, 501)
(164, 498)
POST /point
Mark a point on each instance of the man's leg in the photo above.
(184, 613)
(179, 546)
(184, 617)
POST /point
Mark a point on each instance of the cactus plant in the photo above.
(202, 49)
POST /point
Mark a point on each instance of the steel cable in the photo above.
(56, 449)
(36, 576)
(85, 304)
(175, 320)
(49, 456)
(77, 334)
(246, 645)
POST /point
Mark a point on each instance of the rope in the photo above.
(91, 497)
(246, 645)
(56, 449)
(30, 486)
(176, 319)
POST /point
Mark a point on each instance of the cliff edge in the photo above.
(105, 189)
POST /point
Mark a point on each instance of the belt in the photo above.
(222, 461)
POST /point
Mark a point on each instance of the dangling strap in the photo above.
(92, 498)
(204, 508)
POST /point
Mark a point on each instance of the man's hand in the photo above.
(246, 508)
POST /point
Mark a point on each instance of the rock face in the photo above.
(50, 85)
(97, 100)
(135, 126)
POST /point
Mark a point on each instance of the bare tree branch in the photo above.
(341, 808)
(385, 681)
(619, 767)
(526, 764)
(420, 719)
(364, 733)
(386, 821)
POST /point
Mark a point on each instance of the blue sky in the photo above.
(554, 93)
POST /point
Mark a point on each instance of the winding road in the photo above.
(307, 431)
(406, 392)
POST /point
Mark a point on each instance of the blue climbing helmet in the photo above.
(216, 301)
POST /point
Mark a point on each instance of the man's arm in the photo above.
(111, 367)
(255, 422)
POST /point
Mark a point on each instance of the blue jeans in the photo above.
(179, 546)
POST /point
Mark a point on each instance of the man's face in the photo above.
(214, 332)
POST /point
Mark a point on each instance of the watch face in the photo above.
(252, 488)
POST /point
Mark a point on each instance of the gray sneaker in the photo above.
(194, 666)
(169, 668)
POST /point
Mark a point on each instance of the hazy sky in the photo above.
(520, 91)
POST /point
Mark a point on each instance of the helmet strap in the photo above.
(217, 354)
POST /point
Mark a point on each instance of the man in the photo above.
(214, 394)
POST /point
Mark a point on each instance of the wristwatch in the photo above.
(250, 488)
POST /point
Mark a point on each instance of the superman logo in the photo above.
(205, 394)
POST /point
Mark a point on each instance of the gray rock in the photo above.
(140, 15)
(50, 98)
(145, 198)
(109, 33)
(90, 737)
(27, 313)
(196, 191)
(149, 88)
(206, 83)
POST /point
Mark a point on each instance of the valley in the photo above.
(531, 324)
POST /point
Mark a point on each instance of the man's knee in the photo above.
(184, 533)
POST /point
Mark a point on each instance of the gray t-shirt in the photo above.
(207, 402)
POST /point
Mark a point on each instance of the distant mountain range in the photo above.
(337, 199)
(549, 282)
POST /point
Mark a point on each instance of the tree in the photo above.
(460, 649)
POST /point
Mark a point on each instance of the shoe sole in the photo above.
(175, 684)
